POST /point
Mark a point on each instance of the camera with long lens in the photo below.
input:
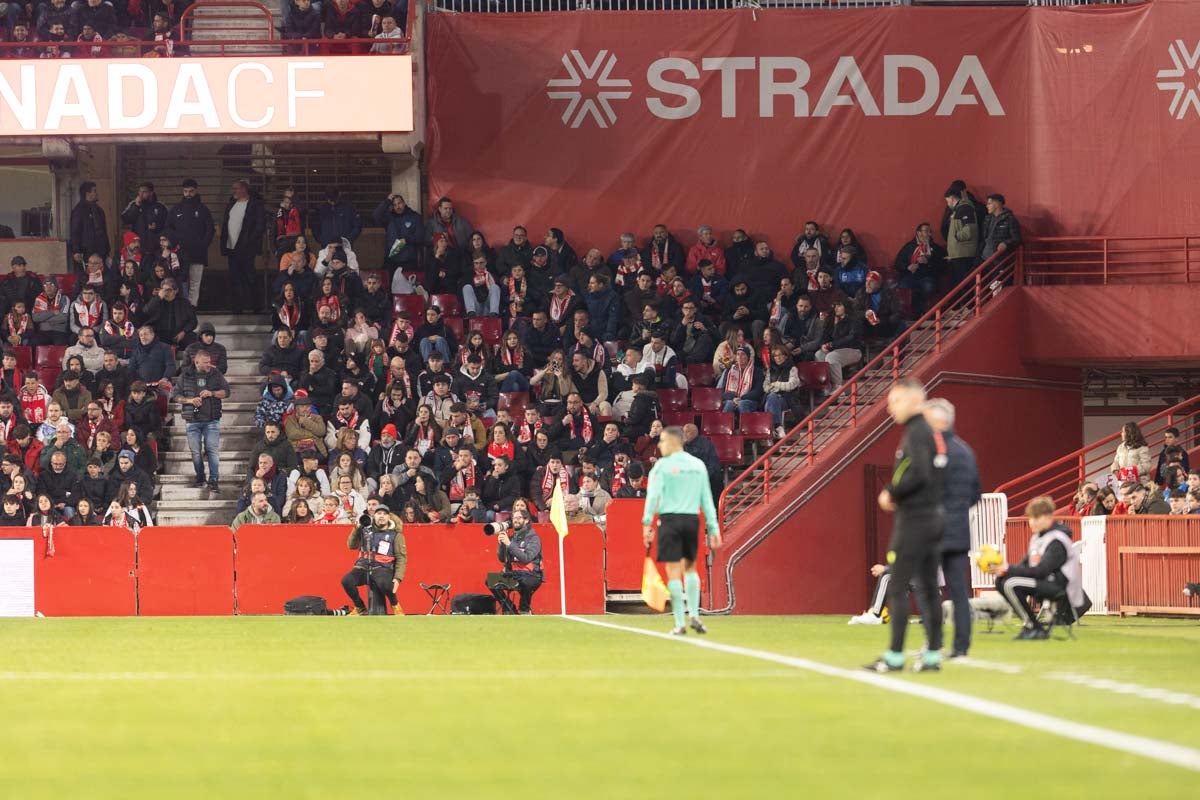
(492, 528)
(365, 519)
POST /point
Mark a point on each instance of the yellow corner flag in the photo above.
(558, 511)
(654, 591)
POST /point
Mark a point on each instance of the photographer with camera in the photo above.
(382, 558)
(520, 550)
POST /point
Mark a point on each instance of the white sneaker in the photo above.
(780, 432)
(865, 618)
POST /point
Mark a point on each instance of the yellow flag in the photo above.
(558, 510)
(654, 591)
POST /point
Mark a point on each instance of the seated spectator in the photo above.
(1084, 503)
(207, 342)
(302, 20)
(741, 384)
(343, 19)
(430, 499)
(1136, 498)
(44, 513)
(17, 327)
(259, 512)
(50, 315)
(9, 420)
(644, 407)
(60, 484)
(276, 397)
(592, 501)
(163, 35)
(283, 357)
(740, 310)
(306, 494)
(501, 487)
(805, 332)
(310, 467)
(591, 383)
(879, 307)
(85, 514)
(72, 397)
(843, 346)
(781, 387)
(140, 412)
(127, 472)
(634, 485)
(544, 479)
(302, 427)
(92, 423)
(662, 362)
(151, 361)
(48, 428)
(117, 333)
(34, 400)
(144, 457)
(25, 449)
(919, 264)
(320, 382)
(574, 430)
(345, 463)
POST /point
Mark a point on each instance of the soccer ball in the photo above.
(988, 557)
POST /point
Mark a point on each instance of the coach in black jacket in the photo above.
(960, 491)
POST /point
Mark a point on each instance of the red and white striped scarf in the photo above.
(920, 250)
(517, 288)
(512, 357)
(548, 483)
(289, 315)
(124, 329)
(424, 438)
(42, 303)
(463, 479)
(526, 432)
(398, 326)
(558, 306)
(618, 479)
(739, 381)
(507, 450)
(587, 424)
(88, 314)
(484, 279)
(17, 325)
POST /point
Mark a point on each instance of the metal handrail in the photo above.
(189, 15)
(1062, 476)
(842, 410)
(1110, 259)
(138, 48)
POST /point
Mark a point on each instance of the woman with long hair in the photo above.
(300, 514)
(118, 517)
(299, 258)
(84, 513)
(430, 498)
(723, 355)
(646, 446)
(843, 345)
(134, 507)
(1106, 502)
(780, 387)
(143, 455)
(500, 443)
(44, 512)
(474, 346)
(304, 493)
(1132, 462)
(771, 338)
(377, 360)
(412, 514)
(327, 297)
(423, 434)
(347, 443)
(20, 488)
(848, 238)
(510, 364)
(344, 464)
(291, 310)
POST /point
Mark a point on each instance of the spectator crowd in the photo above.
(133, 28)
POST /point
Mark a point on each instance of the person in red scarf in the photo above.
(919, 264)
(117, 333)
(481, 296)
(545, 477)
(34, 400)
(574, 432)
(562, 303)
(741, 383)
(88, 310)
(462, 475)
(91, 423)
(17, 327)
(510, 366)
(663, 250)
(500, 443)
(529, 425)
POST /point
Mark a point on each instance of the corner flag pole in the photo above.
(558, 517)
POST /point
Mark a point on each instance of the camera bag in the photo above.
(469, 603)
(306, 605)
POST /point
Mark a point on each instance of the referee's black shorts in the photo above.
(678, 537)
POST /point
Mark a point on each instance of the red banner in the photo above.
(1085, 119)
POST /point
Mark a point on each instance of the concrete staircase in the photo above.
(244, 338)
(220, 22)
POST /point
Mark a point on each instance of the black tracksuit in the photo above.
(961, 491)
(916, 488)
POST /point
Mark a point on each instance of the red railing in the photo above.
(799, 448)
(1061, 477)
(1107, 261)
(239, 17)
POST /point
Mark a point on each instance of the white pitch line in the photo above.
(1167, 696)
(1165, 752)
(994, 666)
(425, 677)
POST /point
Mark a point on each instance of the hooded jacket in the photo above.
(481, 386)
(998, 229)
(216, 350)
(406, 225)
(191, 223)
(148, 219)
(278, 359)
(280, 450)
(271, 408)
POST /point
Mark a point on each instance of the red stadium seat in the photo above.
(24, 355)
(701, 375)
(515, 402)
(455, 324)
(678, 418)
(49, 355)
(66, 284)
(731, 451)
(448, 303)
(717, 423)
(814, 377)
(672, 399)
(489, 327)
(756, 428)
(414, 304)
(706, 399)
(47, 375)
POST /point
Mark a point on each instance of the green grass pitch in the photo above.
(450, 707)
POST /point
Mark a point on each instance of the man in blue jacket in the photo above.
(960, 491)
(604, 308)
(151, 361)
(336, 219)
(404, 232)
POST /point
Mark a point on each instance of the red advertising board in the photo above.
(1088, 120)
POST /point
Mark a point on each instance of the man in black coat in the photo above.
(89, 227)
(171, 316)
(145, 214)
(191, 224)
(242, 228)
(20, 284)
(404, 233)
(960, 491)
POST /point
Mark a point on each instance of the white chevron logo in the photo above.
(598, 107)
(1187, 66)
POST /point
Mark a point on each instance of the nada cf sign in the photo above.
(786, 87)
(276, 94)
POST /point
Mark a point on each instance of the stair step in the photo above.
(190, 498)
(226, 455)
(227, 503)
(181, 482)
(179, 434)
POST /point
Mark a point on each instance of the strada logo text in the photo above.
(1184, 95)
(786, 87)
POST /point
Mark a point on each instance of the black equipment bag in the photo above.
(308, 605)
(469, 603)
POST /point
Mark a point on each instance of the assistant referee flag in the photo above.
(558, 510)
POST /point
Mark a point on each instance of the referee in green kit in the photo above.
(678, 491)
